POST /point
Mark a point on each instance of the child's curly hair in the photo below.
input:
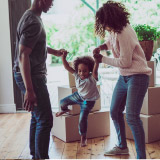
(113, 15)
(86, 60)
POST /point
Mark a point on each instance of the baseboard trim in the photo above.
(7, 108)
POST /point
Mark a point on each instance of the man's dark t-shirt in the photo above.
(31, 33)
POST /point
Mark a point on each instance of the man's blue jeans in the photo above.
(41, 120)
(130, 91)
(86, 107)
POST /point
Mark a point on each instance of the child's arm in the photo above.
(66, 64)
(95, 70)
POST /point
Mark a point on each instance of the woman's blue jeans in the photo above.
(41, 119)
(130, 91)
(86, 107)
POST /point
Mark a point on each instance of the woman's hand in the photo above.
(97, 56)
(103, 47)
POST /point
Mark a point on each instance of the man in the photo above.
(30, 75)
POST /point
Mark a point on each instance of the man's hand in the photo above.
(30, 101)
(55, 52)
(62, 52)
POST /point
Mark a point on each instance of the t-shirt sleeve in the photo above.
(75, 75)
(93, 79)
(30, 34)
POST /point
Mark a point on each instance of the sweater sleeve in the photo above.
(108, 42)
(126, 46)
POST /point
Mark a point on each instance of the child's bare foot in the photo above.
(61, 113)
(83, 141)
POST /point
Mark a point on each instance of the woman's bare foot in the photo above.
(61, 113)
(83, 141)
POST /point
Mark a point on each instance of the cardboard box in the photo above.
(151, 128)
(151, 103)
(71, 80)
(152, 65)
(68, 79)
(64, 91)
(66, 127)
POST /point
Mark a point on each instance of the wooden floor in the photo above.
(14, 133)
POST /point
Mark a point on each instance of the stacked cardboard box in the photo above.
(150, 112)
(65, 127)
(64, 91)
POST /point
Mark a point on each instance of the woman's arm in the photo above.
(66, 64)
(126, 46)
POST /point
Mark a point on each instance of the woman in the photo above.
(133, 81)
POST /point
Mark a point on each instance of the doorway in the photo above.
(16, 10)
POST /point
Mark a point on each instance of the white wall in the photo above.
(6, 83)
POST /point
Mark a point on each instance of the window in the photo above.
(70, 25)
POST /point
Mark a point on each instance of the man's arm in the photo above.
(30, 98)
(55, 52)
(66, 64)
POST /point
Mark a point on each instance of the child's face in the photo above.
(83, 71)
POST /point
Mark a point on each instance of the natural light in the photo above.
(70, 25)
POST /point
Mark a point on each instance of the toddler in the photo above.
(85, 70)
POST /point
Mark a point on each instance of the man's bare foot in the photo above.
(61, 113)
(83, 141)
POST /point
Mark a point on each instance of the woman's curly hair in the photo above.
(113, 15)
(86, 60)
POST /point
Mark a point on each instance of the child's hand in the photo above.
(97, 56)
(63, 53)
(98, 59)
(96, 53)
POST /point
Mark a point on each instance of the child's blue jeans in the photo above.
(130, 91)
(86, 107)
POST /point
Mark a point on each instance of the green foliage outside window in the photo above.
(77, 35)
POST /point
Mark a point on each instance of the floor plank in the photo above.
(84, 152)
(98, 148)
(70, 150)
(56, 149)
(14, 143)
